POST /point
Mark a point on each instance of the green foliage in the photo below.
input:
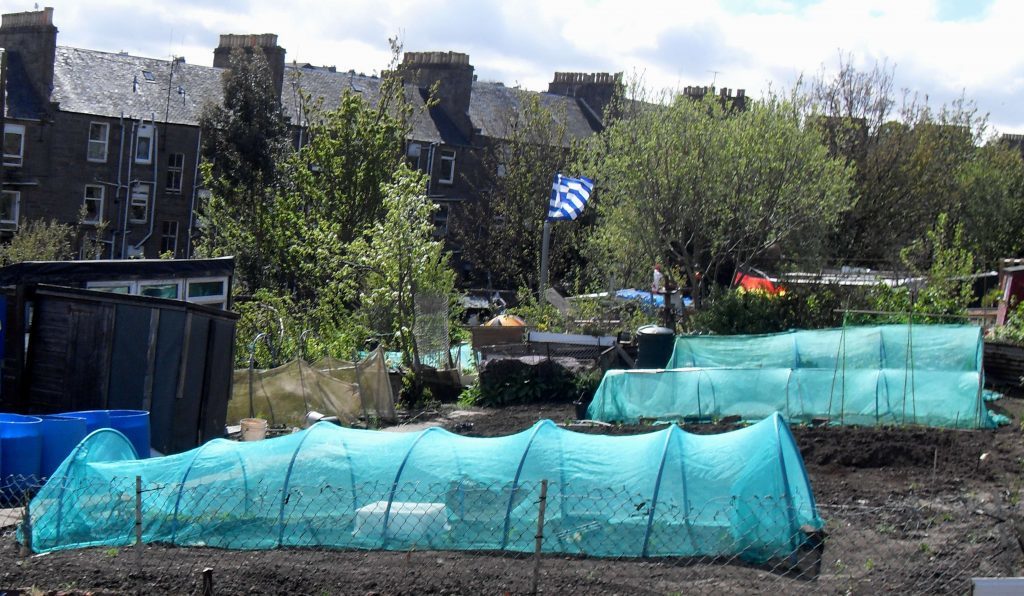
(945, 264)
(585, 384)
(694, 185)
(539, 316)
(334, 239)
(735, 311)
(470, 396)
(244, 139)
(1013, 330)
(913, 162)
(511, 382)
(39, 240)
(501, 233)
(348, 154)
(399, 260)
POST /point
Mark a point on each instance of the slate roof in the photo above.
(107, 84)
(111, 84)
(493, 103)
(330, 86)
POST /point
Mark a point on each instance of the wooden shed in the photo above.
(76, 349)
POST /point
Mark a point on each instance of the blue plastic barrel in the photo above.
(134, 424)
(61, 434)
(20, 453)
(94, 419)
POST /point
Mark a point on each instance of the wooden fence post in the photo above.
(26, 530)
(138, 516)
(540, 535)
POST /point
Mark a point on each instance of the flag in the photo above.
(569, 197)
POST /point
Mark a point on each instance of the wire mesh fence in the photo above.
(127, 535)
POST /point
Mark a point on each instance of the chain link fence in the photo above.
(126, 535)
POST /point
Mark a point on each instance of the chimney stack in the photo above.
(266, 43)
(30, 41)
(594, 89)
(452, 73)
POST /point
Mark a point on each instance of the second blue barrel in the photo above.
(61, 433)
(133, 424)
(94, 419)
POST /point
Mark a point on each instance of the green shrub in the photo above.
(510, 382)
(735, 311)
(1013, 330)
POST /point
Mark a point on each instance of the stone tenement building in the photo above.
(116, 136)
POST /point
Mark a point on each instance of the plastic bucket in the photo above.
(61, 434)
(133, 424)
(254, 429)
(654, 346)
(20, 453)
(94, 419)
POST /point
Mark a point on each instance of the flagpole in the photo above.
(544, 261)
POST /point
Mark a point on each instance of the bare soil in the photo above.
(909, 510)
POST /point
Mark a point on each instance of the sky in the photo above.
(944, 49)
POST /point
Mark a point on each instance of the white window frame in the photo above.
(144, 283)
(101, 143)
(15, 207)
(139, 199)
(164, 236)
(447, 173)
(148, 132)
(14, 160)
(108, 286)
(100, 199)
(175, 172)
(218, 300)
(135, 288)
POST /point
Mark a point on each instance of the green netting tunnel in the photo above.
(891, 374)
(667, 493)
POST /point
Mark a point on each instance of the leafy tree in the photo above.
(911, 163)
(501, 233)
(39, 240)
(708, 190)
(944, 263)
(290, 215)
(400, 261)
(244, 140)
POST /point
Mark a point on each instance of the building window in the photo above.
(14, 145)
(99, 132)
(440, 220)
(175, 165)
(139, 208)
(416, 156)
(112, 287)
(159, 289)
(169, 238)
(211, 291)
(447, 174)
(93, 201)
(10, 203)
(144, 143)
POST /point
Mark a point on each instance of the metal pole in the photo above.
(544, 261)
(138, 516)
(540, 534)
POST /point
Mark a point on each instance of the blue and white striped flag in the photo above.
(568, 197)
